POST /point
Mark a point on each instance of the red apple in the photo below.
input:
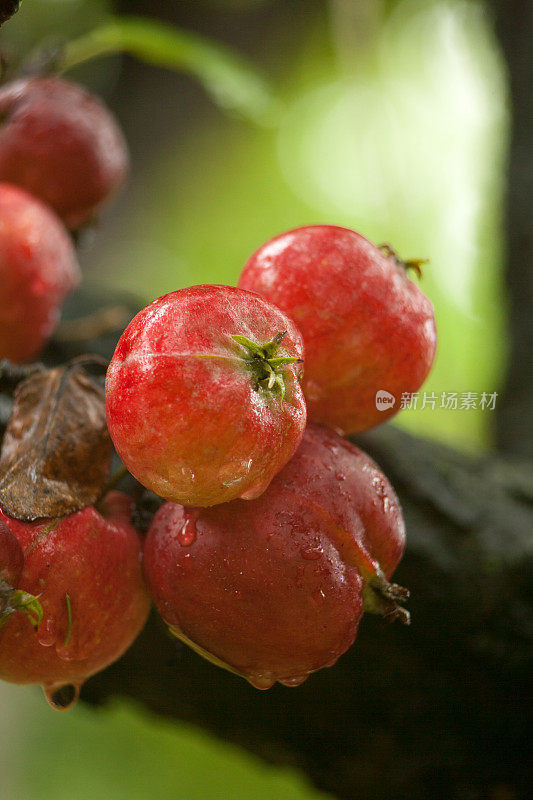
(86, 570)
(274, 588)
(203, 399)
(62, 144)
(38, 269)
(369, 332)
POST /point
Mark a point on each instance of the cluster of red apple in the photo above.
(229, 403)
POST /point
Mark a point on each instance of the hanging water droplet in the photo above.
(296, 681)
(261, 680)
(63, 697)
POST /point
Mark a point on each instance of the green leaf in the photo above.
(231, 81)
(246, 343)
(279, 362)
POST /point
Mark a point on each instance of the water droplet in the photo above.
(332, 446)
(187, 534)
(312, 552)
(62, 697)
(47, 633)
(379, 486)
(381, 492)
(296, 681)
(340, 476)
(318, 596)
(234, 472)
(263, 680)
(188, 474)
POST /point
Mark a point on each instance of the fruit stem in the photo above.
(12, 600)
(266, 366)
(413, 263)
(384, 598)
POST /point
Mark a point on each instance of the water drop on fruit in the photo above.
(234, 472)
(47, 633)
(318, 596)
(187, 534)
(312, 552)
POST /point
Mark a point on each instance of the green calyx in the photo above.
(413, 263)
(266, 367)
(13, 600)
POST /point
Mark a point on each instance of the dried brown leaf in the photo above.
(56, 451)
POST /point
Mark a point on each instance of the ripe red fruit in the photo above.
(38, 268)
(367, 327)
(86, 569)
(61, 144)
(203, 399)
(274, 589)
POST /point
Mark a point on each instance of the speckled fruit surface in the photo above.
(367, 327)
(86, 570)
(38, 269)
(274, 589)
(191, 412)
(62, 144)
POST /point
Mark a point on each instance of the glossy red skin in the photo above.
(94, 559)
(273, 588)
(183, 408)
(38, 269)
(11, 557)
(366, 325)
(62, 144)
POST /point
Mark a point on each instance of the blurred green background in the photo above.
(390, 119)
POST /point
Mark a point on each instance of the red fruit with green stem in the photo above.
(274, 589)
(62, 144)
(86, 570)
(366, 326)
(203, 399)
(38, 269)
